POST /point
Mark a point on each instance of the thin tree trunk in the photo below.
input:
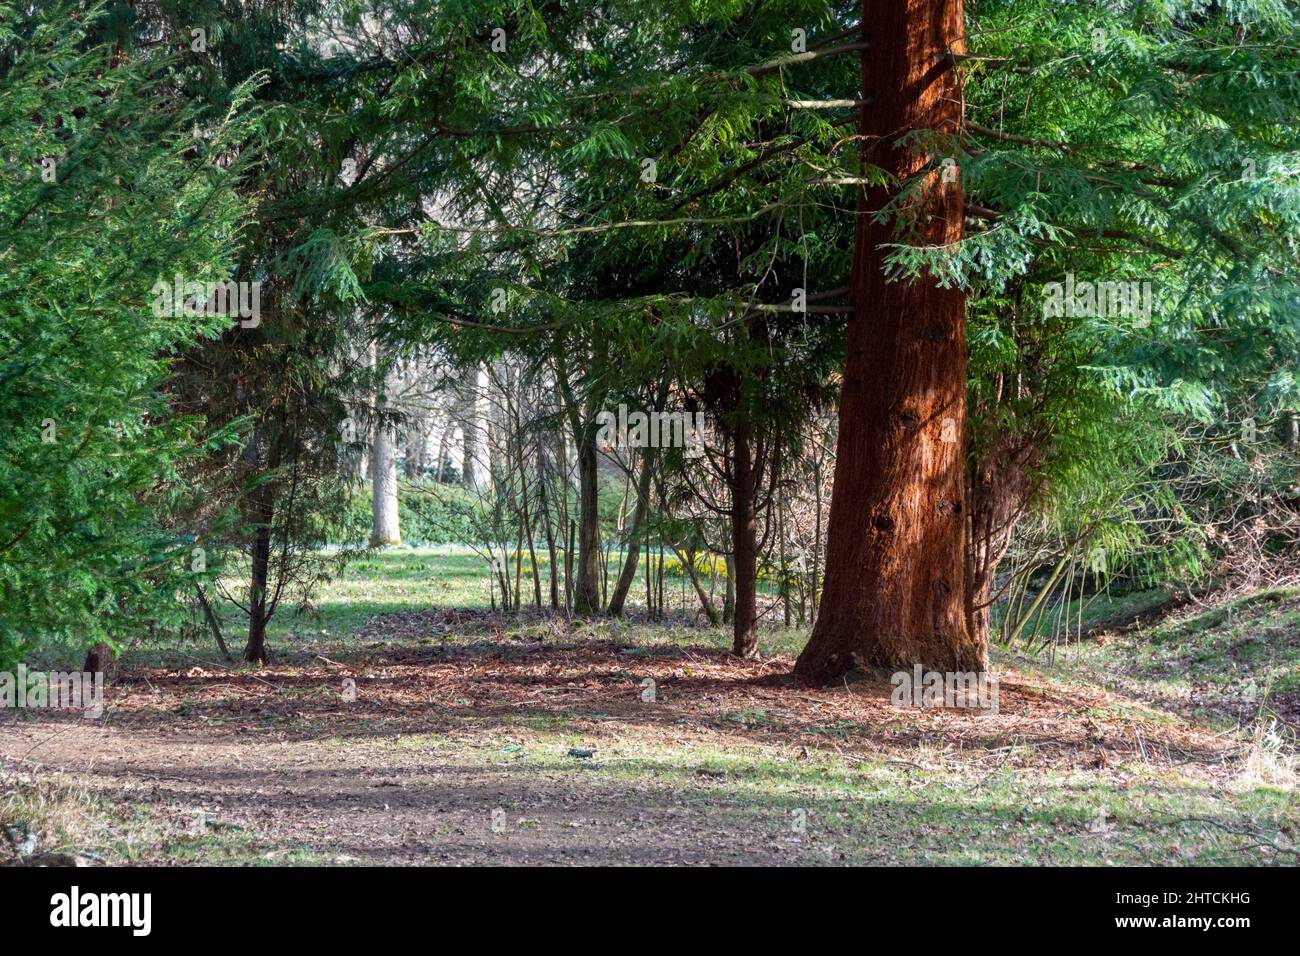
(785, 567)
(548, 528)
(527, 514)
(469, 425)
(568, 569)
(414, 452)
(565, 523)
(639, 511)
(999, 488)
(662, 610)
(604, 573)
(442, 452)
(688, 561)
(537, 577)
(744, 545)
(519, 559)
(385, 528)
(255, 649)
(649, 593)
(813, 592)
(587, 593)
(729, 596)
(898, 583)
(214, 625)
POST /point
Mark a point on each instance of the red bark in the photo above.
(898, 582)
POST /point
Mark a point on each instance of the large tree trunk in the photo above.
(898, 583)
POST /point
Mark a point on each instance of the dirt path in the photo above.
(519, 753)
(363, 804)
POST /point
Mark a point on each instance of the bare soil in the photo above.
(276, 765)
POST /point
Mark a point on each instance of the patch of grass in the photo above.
(406, 580)
(1227, 665)
(241, 849)
(748, 718)
(932, 812)
(41, 816)
(64, 816)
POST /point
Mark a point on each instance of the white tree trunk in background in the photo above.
(383, 473)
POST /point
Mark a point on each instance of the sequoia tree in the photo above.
(896, 590)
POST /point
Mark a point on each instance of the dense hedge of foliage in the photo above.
(96, 205)
(430, 513)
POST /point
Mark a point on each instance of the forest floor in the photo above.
(479, 738)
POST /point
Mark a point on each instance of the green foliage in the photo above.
(403, 176)
(1127, 141)
(90, 451)
(1152, 141)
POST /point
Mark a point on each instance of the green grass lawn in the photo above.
(1228, 665)
(405, 579)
